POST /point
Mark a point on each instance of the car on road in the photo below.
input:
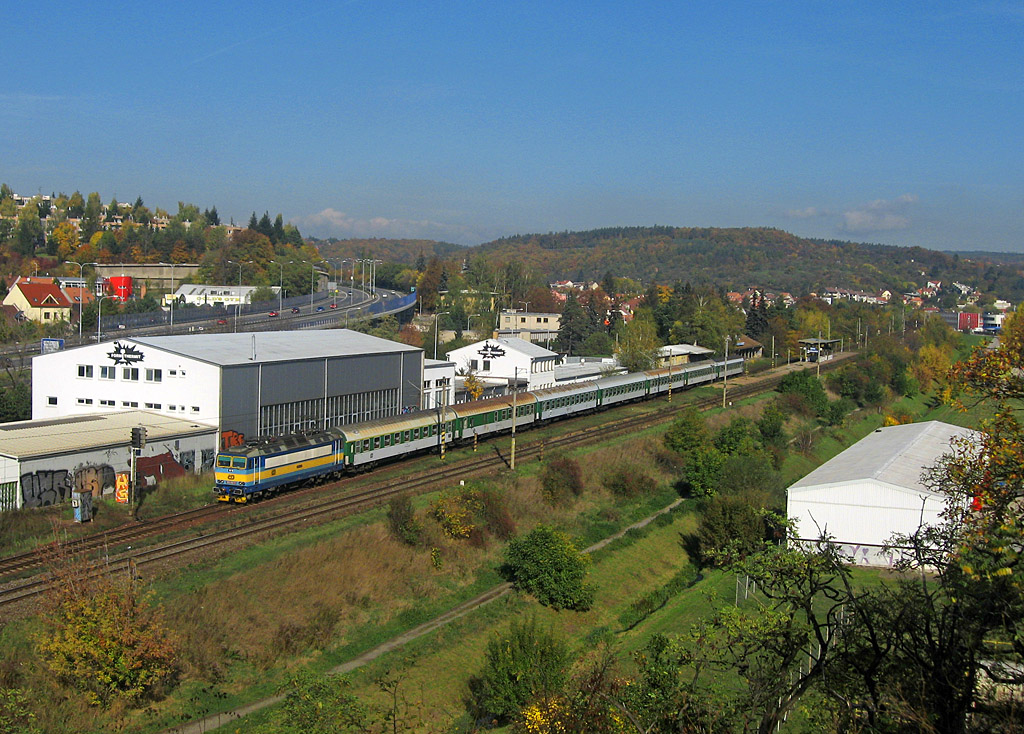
(334, 305)
(295, 309)
(319, 309)
(272, 314)
(222, 322)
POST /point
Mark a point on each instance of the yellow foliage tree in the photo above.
(66, 237)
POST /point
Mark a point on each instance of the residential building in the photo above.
(39, 300)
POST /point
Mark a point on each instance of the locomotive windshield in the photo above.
(224, 461)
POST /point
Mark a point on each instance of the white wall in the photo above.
(185, 384)
(502, 367)
(862, 515)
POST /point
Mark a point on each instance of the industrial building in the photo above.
(245, 384)
(42, 462)
(875, 489)
(507, 361)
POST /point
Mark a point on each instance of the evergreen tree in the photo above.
(574, 326)
(277, 235)
(254, 223)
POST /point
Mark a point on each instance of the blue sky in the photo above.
(885, 122)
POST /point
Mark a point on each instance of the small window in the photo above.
(129, 404)
(130, 373)
(487, 365)
(366, 444)
(172, 373)
(108, 403)
(154, 375)
(51, 400)
(474, 365)
(195, 408)
(376, 442)
(85, 370)
(181, 373)
(107, 372)
(85, 401)
(153, 406)
(223, 462)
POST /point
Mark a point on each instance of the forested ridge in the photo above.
(734, 258)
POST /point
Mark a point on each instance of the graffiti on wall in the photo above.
(229, 439)
(151, 470)
(43, 488)
(94, 478)
(207, 459)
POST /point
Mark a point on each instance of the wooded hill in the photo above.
(734, 258)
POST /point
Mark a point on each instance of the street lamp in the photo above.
(439, 313)
(280, 287)
(99, 316)
(172, 291)
(81, 294)
(238, 306)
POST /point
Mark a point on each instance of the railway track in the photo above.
(336, 504)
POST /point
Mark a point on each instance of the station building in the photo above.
(245, 384)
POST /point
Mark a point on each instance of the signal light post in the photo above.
(138, 443)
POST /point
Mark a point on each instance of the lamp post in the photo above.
(238, 306)
(725, 371)
(99, 317)
(439, 313)
(280, 287)
(171, 265)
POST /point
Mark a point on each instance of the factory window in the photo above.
(195, 408)
(426, 384)
(487, 365)
(85, 401)
(129, 404)
(130, 373)
(153, 375)
(172, 373)
(108, 403)
(85, 370)
(153, 406)
(107, 372)
(473, 364)
(51, 400)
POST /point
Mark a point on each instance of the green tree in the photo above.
(702, 471)
(524, 664)
(323, 704)
(689, 431)
(92, 217)
(547, 564)
(573, 327)
(731, 526)
(638, 344)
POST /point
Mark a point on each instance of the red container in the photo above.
(121, 286)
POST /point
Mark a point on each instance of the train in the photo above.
(269, 465)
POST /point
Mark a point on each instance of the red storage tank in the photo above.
(121, 285)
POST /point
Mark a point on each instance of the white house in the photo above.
(214, 295)
(509, 359)
(874, 489)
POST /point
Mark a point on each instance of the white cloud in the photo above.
(880, 215)
(809, 212)
(331, 222)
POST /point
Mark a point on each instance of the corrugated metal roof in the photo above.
(27, 439)
(272, 346)
(528, 348)
(897, 455)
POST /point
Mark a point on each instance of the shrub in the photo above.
(402, 521)
(455, 512)
(702, 472)
(730, 525)
(838, 410)
(771, 424)
(547, 564)
(524, 664)
(806, 385)
(688, 432)
(560, 480)
(496, 515)
(628, 481)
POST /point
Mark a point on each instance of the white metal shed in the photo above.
(875, 489)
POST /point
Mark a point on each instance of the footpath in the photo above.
(215, 721)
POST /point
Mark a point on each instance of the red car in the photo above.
(272, 314)
(334, 305)
(222, 322)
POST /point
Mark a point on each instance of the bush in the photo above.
(628, 481)
(703, 471)
(524, 664)
(807, 386)
(547, 564)
(496, 515)
(560, 480)
(730, 524)
(688, 432)
(838, 410)
(771, 424)
(402, 521)
(455, 512)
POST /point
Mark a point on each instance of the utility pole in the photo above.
(512, 454)
(725, 372)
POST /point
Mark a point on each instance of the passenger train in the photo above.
(266, 466)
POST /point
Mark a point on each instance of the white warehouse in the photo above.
(246, 385)
(874, 489)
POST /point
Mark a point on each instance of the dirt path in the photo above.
(215, 721)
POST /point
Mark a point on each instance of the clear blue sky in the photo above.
(892, 122)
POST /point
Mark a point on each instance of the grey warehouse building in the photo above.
(248, 385)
